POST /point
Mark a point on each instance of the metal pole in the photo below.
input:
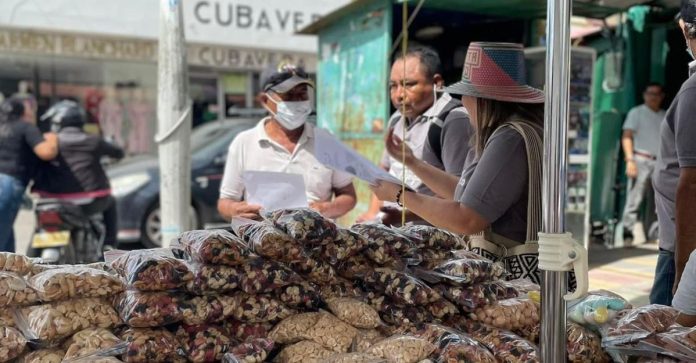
(554, 286)
(174, 123)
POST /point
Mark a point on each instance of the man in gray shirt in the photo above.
(640, 149)
(674, 179)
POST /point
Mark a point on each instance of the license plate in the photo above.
(51, 239)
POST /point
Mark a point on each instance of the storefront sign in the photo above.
(245, 59)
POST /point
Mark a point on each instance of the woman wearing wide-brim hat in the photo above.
(497, 200)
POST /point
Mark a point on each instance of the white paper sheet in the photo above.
(334, 154)
(273, 190)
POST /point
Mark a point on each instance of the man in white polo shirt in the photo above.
(640, 143)
(283, 142)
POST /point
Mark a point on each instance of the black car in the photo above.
(135, 183)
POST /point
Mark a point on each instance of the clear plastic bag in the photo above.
(90, 341)
(304, 225)
(204, 343)
(259, 276)
(583, 346)
(75, 282)
(471, 297)
(149, 309)
(506, 346)
(213, 279)
(397, 315)
(442, 309)
(401, 287)
(152, 270)
(680, 341)
(270, 242)
(304, 352)
(433, 258)
(470, 271)
(519, 315)
(48, 355)
(354, 358)
(332, 333)
(355, 312)
(434, 238)
(354, 267)
(522, 286)
(299, 296)
(402, 349)
(207, 309)
(387, 245)
(293, 329)
(638, 323)
(347, 244)
(316, 271)
(596, 308)
(151, 346)
(12, 344)
(15, 291)
(13, 262)
(365, 339)
(455, 346)
(259, 309)
(253, 351)
(216, 247)
(55, 321)
(340, 288)
(247, 331)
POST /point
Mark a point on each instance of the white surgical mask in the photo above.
(291, 114)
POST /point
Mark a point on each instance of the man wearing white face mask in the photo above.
(283, 142)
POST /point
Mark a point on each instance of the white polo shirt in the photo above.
(254, 150)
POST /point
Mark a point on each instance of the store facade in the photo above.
(104, 55)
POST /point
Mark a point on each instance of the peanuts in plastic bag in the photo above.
(402, 349)
(7, 318)
(455, 346)
(442, 309)
(304, 352)
(401, 287)
(259, 309)
(304, 225)
(340, 288)
(506, 346)
(355, 313)
(470, 271)
(152, 270)
(332, 333)
(207, 309)
(213, 279)
(216, 247)
(387, 245)
(366, 338)
(639, 323)
(354, 267)
(583, 346)
(151, 345)
(48, 355)
(247, 331)
(204, 343)
(15, 291)
(259, 276)
(435, 238)
(17, 263)
(75, 282)
(149, 309)
(299, 296)
(294, 328)
(316, 271)
(253, 351)
(517, 315)
(55, 321)
(90, 341)
(12, 344)
(354, 358)
(469, 298)
(346, 245)
(268, 241)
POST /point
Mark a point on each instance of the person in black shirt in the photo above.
(76, 174)
(21, 147)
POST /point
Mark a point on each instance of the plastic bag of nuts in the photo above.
(253, 351)
(584, 346)
(434, 238)
(294, 328)
(405, 315)
(14, 291)
(639, 323)
(206, 309)
(151, 345)
(260, 276)
(12, 344)
(401, 287)
(355, 313)
(268, 241)
(347, 244)
(519, 314)
(149, 309)
(304, 225)
(259, 309)
(454, 346)
(299, 296)
(354, 267)
(216, 247)
(470, 298)
(340, 288)
(75, 282)
(49, 355)
(213, 279)
(365, 339)
(402, 349)
(151, 270)
(247, 331)
(388, 245)
(204, 343)
(89, 341)
(442, 309)
(316, 271)
(332, 333)
(7, 318)
(304, 352)
(354, 358)
(52, 322)
(12, 262)
(470, 271)
(506, 346)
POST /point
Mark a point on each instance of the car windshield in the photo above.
(208, 141)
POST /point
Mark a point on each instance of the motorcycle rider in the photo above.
(76, 174)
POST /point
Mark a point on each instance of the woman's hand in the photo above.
(397, 149)
(385, 190)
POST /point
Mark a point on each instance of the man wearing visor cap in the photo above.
(283, 142)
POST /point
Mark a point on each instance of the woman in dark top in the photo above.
(499, 192)
(21, 145)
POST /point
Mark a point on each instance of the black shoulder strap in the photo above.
(435, 130)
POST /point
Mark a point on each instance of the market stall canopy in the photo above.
(598, 9)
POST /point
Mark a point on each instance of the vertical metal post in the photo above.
(173, 123)
(554, 285)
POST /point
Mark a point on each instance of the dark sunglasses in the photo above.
(284, 73)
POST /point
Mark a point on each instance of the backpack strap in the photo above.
(443, 107)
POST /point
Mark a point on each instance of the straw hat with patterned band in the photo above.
(496, 71)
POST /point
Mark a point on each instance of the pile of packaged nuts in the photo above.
(291, 288)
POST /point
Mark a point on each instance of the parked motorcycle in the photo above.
(65, 235)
